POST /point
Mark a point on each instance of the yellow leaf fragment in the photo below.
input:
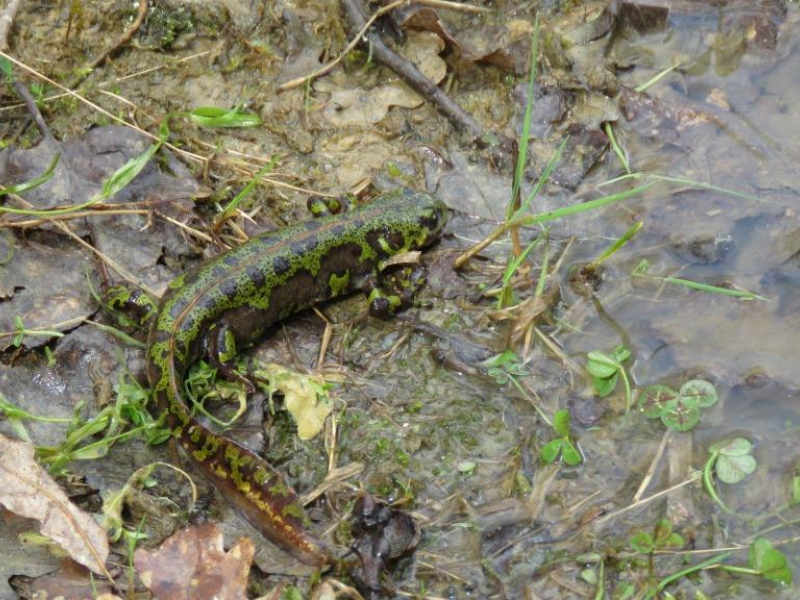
(304, 398)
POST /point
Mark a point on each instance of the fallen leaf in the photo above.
(70, 582)
(303, 396)
(193, 564)
(27, 490)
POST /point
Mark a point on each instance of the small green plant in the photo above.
(467, 468)
(230, 209)
(38, 91)
(765, 561)
(20, 331)
(111, 424)
(731, 461)
(506, 368)
(562, 445)
(16, 415)
(606, 369)
(202, 385)
(678, 410)
(662, 538)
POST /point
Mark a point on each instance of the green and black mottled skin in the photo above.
(232, 300)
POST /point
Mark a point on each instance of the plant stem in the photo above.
(711, 563)
(708, 482)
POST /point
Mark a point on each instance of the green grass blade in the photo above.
(582, 207)
(522, 156)
(233, 204)
(708, 186)
(617, 148)
(213, 116)
(113, 184)
(655, 79)
(713, 289)
(712, 562)
(540, 285)
(543, 178)
(613, 248)
(120, 178)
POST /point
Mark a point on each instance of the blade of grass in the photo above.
(119, 334)
(656, 78)
(529, 220)
(233, 204)
(113, 184)
(540, 285)
(617, 148)
(713, 562)
(522, 156)
(708, 186)
(712, 289)
(213, 116)
(127, 172)
(613, 248)
(543, 178)
(690, 182)
(514, 262)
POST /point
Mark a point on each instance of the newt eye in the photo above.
(395, 240)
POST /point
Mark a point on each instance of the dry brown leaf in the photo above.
(70, 582)
(27, 490)
(193, 564)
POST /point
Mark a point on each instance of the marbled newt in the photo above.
(232, 299)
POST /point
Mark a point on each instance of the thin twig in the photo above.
(30, 104)
(648, 477)
(453, 6)
(71, 216)
(692, 479)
